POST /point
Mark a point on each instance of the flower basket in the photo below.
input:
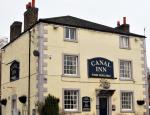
(4, 102)
(140, 102)
(23, 99)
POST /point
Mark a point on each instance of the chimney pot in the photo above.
(29, 4)
(33, 3)
(118, 23)
(26, 6)
(124, 20)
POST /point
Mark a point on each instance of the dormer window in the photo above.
(70, 34)
(14, 70)
(124, 42)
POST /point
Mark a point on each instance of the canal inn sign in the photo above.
(100, 68)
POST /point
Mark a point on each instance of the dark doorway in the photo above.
(103, 102)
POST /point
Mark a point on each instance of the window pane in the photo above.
(67, 32)
(70, 33)
(125, 69)
(126, 100)
(124, 41)
(70, 64)
(71, 103)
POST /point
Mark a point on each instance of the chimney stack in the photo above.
(124, 27)
(15, 30)
(31, 15)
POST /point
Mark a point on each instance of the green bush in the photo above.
(49, 106)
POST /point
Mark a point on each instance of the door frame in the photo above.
(107, 98)
(109, 105)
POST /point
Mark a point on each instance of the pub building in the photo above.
(93, 69)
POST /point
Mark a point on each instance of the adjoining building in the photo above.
(93, 69)
(148, 74)
(3, 42)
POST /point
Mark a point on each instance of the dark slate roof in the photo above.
(80, 23)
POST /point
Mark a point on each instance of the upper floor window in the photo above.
(127, 101)
(124, 42)
(70, 65)
(125, 69)
(14, 70)
(70, 34)
(71, 100)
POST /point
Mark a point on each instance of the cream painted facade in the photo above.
(47, 70)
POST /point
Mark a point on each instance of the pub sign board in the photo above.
(86, 104)
(100, 68)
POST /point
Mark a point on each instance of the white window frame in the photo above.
(76, 66)
(128, 102)
(70, 37)
(125, 70)
(124, 42)
(77, 101)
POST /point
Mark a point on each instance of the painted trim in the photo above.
(133, 107)
(70, 40)
(131, 79)
(109, 99)
(79, 100)
(129, 46)
(78, 66)
(97, 104)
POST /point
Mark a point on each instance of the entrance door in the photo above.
(103, 109)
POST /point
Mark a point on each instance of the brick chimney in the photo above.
(30, 15)
(15, 30)
(124, 27)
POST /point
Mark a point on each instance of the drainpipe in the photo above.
(29, 73)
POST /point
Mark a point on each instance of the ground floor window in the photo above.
(71, 100)
(126, 101)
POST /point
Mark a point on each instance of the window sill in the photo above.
(125, 48)
(126, 79)
(72, 111)
(14, 80)
(70, 40)
(70, 76)
(126, 111)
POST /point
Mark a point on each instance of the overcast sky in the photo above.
(106, 12)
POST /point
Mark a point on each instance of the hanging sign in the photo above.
(100, 67)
